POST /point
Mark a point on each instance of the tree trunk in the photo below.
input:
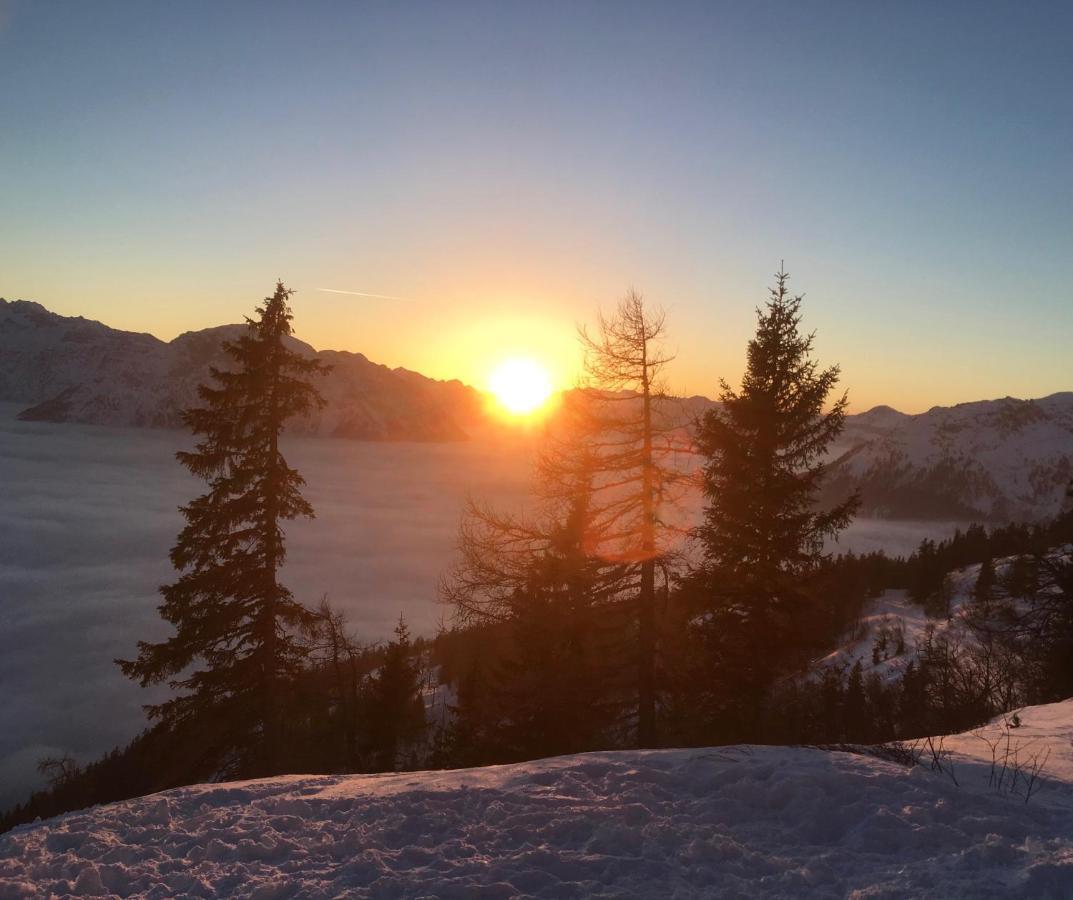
(646, 601)
(270, 711)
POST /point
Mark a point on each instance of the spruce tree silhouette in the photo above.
(762, 537)
(234, 652)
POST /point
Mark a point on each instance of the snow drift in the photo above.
(734, 821)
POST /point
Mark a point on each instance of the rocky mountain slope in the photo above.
(76, 370)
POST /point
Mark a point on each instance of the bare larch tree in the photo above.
(637, 479)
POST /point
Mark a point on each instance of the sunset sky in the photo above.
(498, 171)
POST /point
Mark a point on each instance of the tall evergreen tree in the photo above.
(762, 537)
(395, 710)
(234, 651)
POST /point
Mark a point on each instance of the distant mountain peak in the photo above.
(883, 410)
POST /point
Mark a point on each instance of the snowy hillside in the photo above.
(75, 370)
(892, 628)
(1002, 459)
(737, 821)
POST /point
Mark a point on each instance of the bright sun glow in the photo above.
(520, 385)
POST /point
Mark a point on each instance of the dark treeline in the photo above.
(605, 618)
(543, 683)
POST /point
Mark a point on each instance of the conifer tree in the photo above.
(983, 591)
(234, 651)
(855, 709)
(539, 576)
(555, 690)
(338, 667)
(762, 537)
(473, 732)
(1020, 580)
(928, 569)
(395, 710)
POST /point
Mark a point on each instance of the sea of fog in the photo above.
(88, 514)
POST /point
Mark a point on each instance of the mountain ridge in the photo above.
(73, 369)
(991, 460)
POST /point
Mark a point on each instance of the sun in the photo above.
(521, 385)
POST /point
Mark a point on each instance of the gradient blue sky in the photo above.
(510, 167)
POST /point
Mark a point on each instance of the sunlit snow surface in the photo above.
(736, 821)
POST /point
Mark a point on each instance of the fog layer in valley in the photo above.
(88, 514)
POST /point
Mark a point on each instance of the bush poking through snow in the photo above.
(1013, 770)
(935, 756)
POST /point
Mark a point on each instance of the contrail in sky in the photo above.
(363, 294)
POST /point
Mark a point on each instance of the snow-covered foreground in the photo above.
(737, 821)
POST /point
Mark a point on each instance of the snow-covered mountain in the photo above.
(994, 459)
(740, 821)
(76, 370)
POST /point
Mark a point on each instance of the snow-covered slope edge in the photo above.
(740, 821)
